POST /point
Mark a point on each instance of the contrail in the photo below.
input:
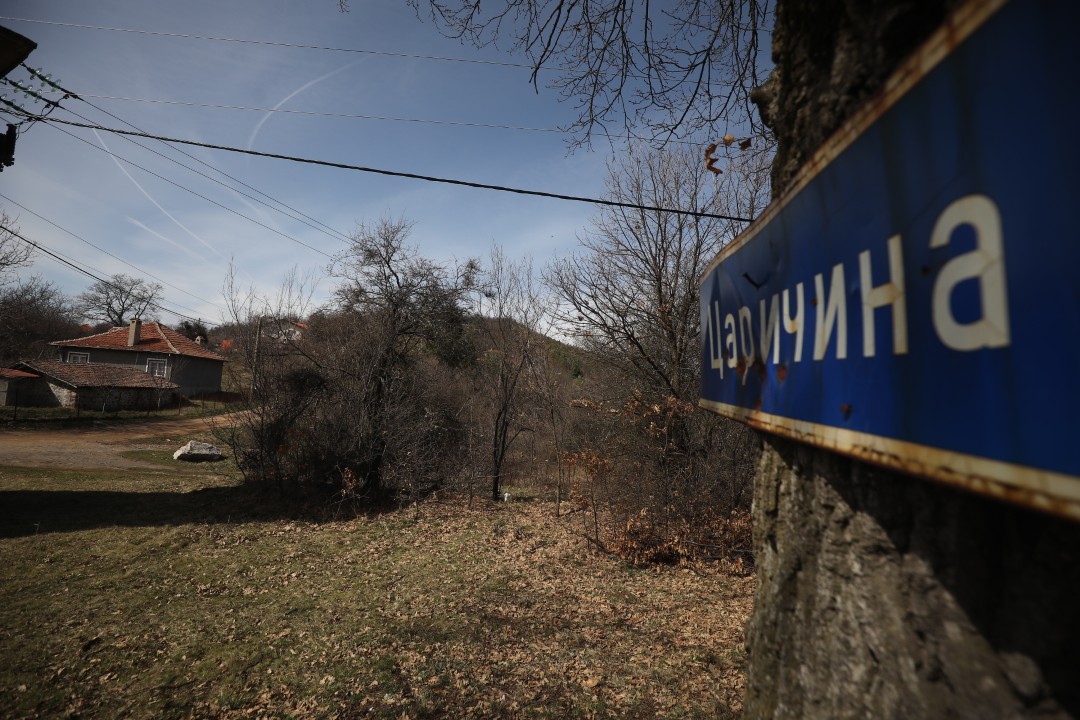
(290, 96)
(159, 236)
(155, 202)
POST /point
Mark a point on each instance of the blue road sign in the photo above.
(914, 300)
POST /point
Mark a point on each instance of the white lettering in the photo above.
(794, 325)
(746, 336)
(729, 328)
(830, 314)
(716, 359)
(891, 293)
(985, 263)
(770, 330)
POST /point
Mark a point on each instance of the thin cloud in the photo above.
(155, 202)
(290, 96)
(159, 236)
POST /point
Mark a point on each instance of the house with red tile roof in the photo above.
(54, 383)
(150, 348)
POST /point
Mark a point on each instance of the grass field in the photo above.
(173, 592)
(28, 417)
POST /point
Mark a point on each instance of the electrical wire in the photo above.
(357, 116)
(532, 68)
(331, 232)
(70, 263)
(114, 257)
(298, 216)
(178, 185)
(350, 116)
(377, 171)
(273, 43)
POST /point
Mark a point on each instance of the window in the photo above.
(156, 367)
(78, 358)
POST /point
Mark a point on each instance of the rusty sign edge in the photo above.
(1042, 490)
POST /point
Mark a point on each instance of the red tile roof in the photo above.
(153, 337)
(83, 375)
(13, 374)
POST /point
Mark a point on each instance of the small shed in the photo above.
(11, 383)
(92, 387)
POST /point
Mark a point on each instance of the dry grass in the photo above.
(26, 418)
(178, 595)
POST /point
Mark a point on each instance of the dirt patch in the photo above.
(94, 447)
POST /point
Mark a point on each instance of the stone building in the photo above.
(106, 388)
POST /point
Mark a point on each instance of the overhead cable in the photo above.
(298, 215)
(350, 116)
(380, 171)
(84, 271)
(102, 249)
(358, 116)
(273, 43)
(176, 184)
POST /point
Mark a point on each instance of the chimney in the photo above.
(134, 330)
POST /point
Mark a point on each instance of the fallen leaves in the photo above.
(497, 611)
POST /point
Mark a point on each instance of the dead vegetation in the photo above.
(179, 595)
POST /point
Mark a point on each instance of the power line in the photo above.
(326, 228)
(351, 116)
(273, 43)
(84, 271)
(329, 231)
(114, 257)
(379, 171)
(532, 68)
(303, 217)
(357, 116)
(173, 182)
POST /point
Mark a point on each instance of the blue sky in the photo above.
(189, 241)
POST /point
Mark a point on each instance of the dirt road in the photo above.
(93, 447)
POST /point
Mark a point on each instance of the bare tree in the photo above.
(674, 68)
(510, 327)
(118, 299)
(33, 313)
(630, 296)
(14, 252)
(630, 293)
(408, 312)
(260, 438)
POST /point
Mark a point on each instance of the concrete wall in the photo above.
(881, 595)
(194, 375)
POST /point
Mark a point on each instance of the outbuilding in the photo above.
(12, 382)
(53, 383)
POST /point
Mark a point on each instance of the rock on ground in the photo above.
(196, 451)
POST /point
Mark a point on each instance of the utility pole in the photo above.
(255, 356)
